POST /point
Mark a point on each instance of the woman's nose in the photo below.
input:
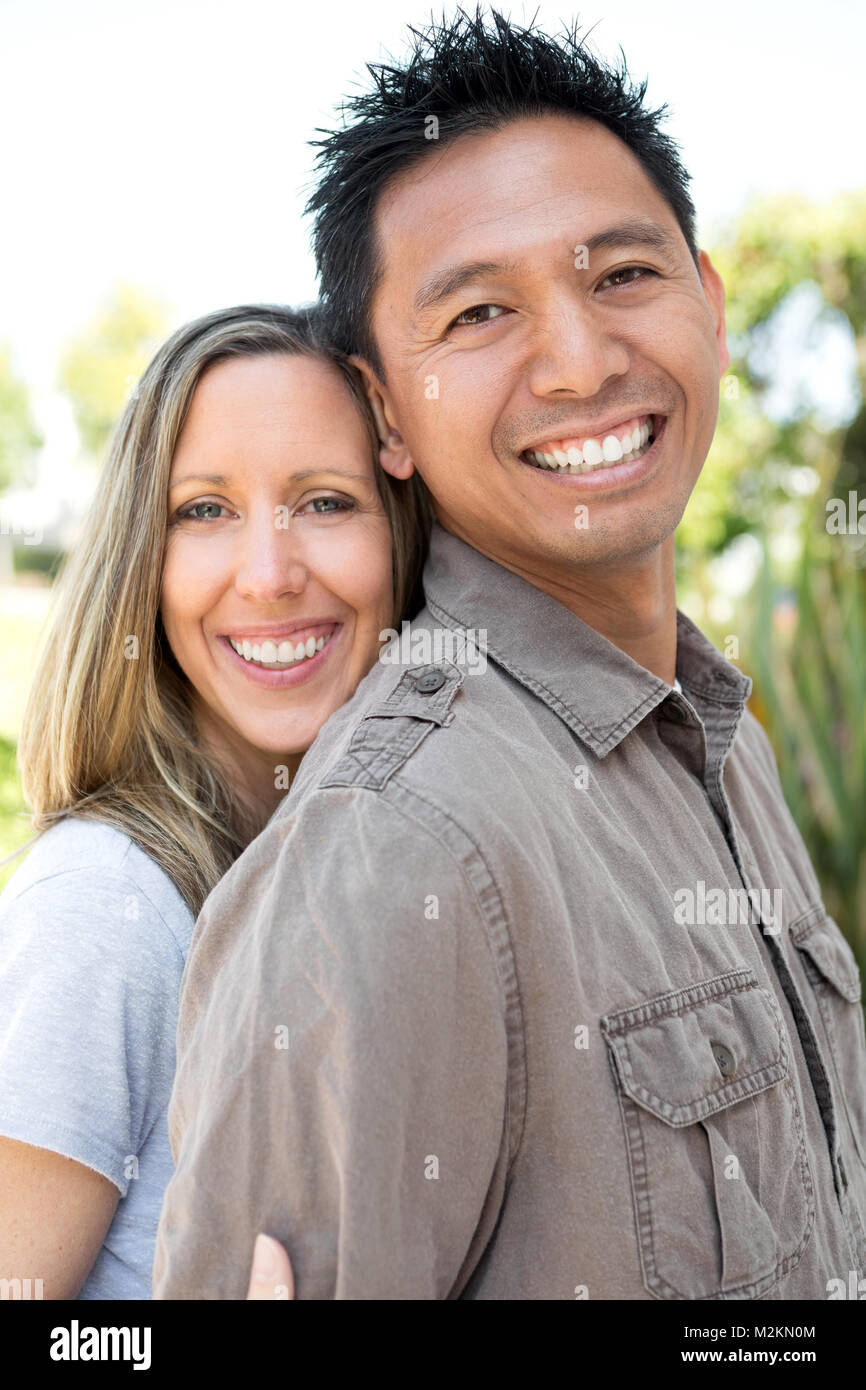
(270, 561)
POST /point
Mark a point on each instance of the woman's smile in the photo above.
(277, 662)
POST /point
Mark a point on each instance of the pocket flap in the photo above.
(694, 1051)
(823, 942)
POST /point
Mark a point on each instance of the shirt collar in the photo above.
(599, 691)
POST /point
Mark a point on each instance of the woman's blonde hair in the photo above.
(108, 732)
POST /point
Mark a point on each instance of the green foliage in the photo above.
(99, 368)
(19, 437)
(806, 645)
(801, 623)
(777, 245)
(14, 824)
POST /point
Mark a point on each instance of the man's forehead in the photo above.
(492, 196)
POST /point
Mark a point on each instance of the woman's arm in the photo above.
(54, 1215)
(90, 966)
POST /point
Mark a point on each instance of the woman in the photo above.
(242, 554)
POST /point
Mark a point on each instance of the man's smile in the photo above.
(584, 453)
(635, 464)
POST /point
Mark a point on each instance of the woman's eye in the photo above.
(332, 506)
(468, 316)
(193, 512)
(631, 271)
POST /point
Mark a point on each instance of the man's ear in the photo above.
(714, 290)
(394, 455)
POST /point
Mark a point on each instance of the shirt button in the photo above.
(430, 681)
(724, 1059)
(675, 713)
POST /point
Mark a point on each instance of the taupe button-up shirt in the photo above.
(526, 991)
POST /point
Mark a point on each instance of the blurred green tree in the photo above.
(100, 366)
(790, 450)
(19, 436)
(780, 253)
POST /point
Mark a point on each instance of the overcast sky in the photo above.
(164, 141)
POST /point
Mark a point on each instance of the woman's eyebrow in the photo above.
(633, 232)
(221, 480)
(216, 478)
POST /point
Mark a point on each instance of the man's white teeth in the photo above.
(278, 657)
(596, 453)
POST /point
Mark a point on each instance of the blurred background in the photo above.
(155, 168)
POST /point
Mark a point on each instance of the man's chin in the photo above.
(601, 532)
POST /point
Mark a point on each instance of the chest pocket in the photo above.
(722, 1191)
(833, 973)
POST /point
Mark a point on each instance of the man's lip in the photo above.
(570, 435)
(611, 478)
(276, 631)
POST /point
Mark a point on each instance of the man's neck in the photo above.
(631, 603)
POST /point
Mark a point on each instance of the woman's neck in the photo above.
(257, 777)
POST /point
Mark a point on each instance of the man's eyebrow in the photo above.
(449, 281)
(221, 480)
(634, 232)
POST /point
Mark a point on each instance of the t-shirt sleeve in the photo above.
(89, 983)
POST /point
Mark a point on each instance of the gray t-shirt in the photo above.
(93, 939)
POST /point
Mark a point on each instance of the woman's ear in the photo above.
(394, 455)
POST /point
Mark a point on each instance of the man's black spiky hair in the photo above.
(471, 77)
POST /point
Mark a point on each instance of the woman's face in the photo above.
(277, 576)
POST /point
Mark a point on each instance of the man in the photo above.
(527, 991)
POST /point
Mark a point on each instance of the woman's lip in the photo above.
(616, 474)
(292, 675)
(320, 627)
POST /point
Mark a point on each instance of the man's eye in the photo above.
(469, 316)
(191, 513)
(631, 272)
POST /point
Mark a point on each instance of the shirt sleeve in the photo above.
(342, 1067)
(89, 983)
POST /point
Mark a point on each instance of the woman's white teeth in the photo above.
(285, 654)
(596, 453)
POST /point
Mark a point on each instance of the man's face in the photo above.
(499, 334)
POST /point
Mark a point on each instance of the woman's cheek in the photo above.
(191, 586)
(356, 566)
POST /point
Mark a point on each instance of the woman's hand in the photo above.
(271, 1276)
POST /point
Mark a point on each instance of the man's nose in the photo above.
(270, 560)
(574, 351)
